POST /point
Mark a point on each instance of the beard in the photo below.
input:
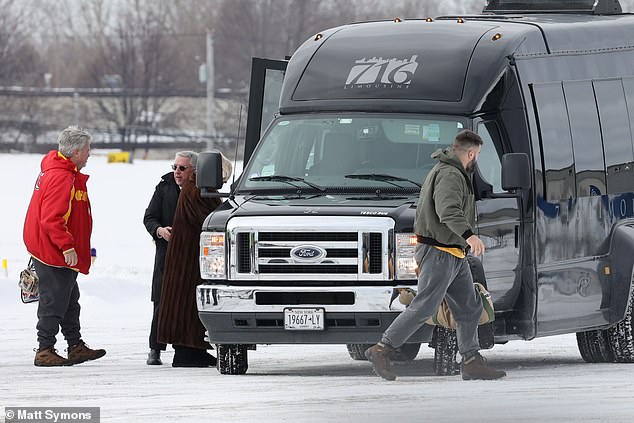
(470, 167)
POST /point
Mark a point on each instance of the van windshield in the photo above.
(348, 151)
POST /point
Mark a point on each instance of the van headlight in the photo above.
(212, 255)
(405, 262)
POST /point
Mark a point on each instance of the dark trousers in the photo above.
(58, 305)
(154, 344)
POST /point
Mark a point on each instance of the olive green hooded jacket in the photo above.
(445, 214)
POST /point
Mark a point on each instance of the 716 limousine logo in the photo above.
(382, 73)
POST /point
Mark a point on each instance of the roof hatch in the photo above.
(594, 7)
(385, 60)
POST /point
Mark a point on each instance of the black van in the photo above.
(317, 235)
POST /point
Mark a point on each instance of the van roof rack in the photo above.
(593, 7)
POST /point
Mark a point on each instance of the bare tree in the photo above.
(135, 55)
(275, 28)
(150, 50)
(20, 64)
(263, 28)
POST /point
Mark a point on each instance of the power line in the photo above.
(17, 91)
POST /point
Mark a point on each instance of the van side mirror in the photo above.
(516, 172)
(209, 174)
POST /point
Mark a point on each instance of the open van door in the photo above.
(499, 225)
(264, 99)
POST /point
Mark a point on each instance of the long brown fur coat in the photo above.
(178, 316)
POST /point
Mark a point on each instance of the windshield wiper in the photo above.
(288, 179)
(382, 177)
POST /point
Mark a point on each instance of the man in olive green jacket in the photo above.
(445, 220)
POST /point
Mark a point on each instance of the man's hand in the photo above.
(476, 244)
(164, 232)
(70, 257)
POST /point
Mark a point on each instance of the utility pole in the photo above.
(76, 107)
(211, 131)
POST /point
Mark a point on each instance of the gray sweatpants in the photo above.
(441, 275)
(58, 305)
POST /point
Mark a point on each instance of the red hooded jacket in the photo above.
(59, 218)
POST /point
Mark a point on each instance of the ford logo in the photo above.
(310, 253)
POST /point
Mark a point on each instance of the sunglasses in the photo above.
(181, 168)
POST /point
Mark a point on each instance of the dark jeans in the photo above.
(154, 344)
(58, 305)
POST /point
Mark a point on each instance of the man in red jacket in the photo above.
(57, 233)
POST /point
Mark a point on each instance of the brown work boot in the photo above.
(48, 357)
(475, 368)
(79, 353)
(379, 355)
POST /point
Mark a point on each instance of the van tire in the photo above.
(357, 351)
(445, 340)
(621, 337)
(232, 359)
(445, 344)
(594, 346)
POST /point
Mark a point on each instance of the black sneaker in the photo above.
(379, 355)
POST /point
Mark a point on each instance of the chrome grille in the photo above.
(244, 258)
(321, 269)
(308, 236)
(310, 247)
(375, 253)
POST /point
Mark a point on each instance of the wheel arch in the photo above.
(621, 271)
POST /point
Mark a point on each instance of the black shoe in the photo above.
(210, 359)
(192, 363)
(154, 358)
(192, 357)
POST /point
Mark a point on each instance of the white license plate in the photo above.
(304, 318)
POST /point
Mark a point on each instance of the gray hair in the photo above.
(71, 139)
(191, 155)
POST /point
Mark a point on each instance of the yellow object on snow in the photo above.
(120, 157)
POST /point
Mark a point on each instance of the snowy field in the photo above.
(547, 379)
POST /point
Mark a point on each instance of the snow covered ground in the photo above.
(547, 379)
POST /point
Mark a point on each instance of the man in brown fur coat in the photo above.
(179, 324)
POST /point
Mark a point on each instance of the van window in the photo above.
(556, 143)
(489, 165)
(586, 138)
(617, 140)
(271, 100)
(327, 149)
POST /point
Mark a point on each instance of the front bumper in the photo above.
(255, 315)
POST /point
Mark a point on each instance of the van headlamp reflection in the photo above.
(405, 262)
(212, 255)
